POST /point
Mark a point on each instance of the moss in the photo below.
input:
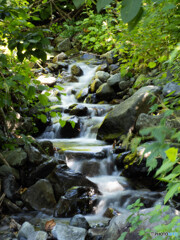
(130, 159)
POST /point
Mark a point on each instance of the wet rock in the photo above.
(96, 233)
(63, 178)
(63, 45)
(26, 230)
(145, 121)
(114, 81)
(11, 207)
(91, 98)
(105, 92)
(39, 235)
(88, 56)
(79, 221)
(76, 70)
(40, 172)
(113, 68)
(82, 94)
(47, 80)
(61, 56)
(109, 56)
(76, 200)
(47, 147)
(16, 157)
(90, 168)
(102, 76)
(34, 155)
(102, 67)
(110, 213)
(10, 186)
(65, 232)
(68, 131)
(79, 110)
(5, 171)
(95, 85)
(119, 225)
(173, 88)
(69, 78)
(40, 196)
(123, 117)
(119, 159)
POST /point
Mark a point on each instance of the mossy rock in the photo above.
(130, 159)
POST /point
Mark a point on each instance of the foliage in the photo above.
(159, 231)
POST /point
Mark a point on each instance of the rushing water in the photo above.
(89, 156)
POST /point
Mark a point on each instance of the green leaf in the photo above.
(130, 9)
(53, 114)
(62, 122)
(31, 91)
(43, 99)
(165, 167)
(43, 118)
(123, 235)
(172, 154)
(152, 65)
(73, 124)
(102, 4)
(134, 21)
(78, 3)
(171, 192)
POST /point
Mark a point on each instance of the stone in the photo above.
(47, 147)
(123, 117)
(145, 121)
(78, 199)
(68, 131)
(95, 85)
(66, 232)
(79, 110)
(61, 56)
(64, 45)
(62, 178)
(39, 235)
(82, 94)
(5, 170)
(47, 80)
(76, 71)
(114, 68)
(109, 56)
(96, 233)
(40, 196)
(90, 168)
(79, 221)
(10, 186)
(91, 98)
(114, 81)
(123, 85)
(34, 155)
(16, 157)
(102, 76)
(105, 92)
(26, 230)
(171, 87)
(118, 224)
(110, 213)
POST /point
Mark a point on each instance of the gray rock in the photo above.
(47, 80)
(123, 85)
(16, 157)
(76, 70)
(5, 170)
(65, 232)
(96, 233)
(26, 230)
(102, 76)
(118, 224)
(105, 92)
(39, 235)
(64, 45)
(79, 110)
(171, 87)
(82, 94)
(79, 221)
(123, 117)
(95, 85)
(40, 196)
(114, 80)
(61, 56)
(34, 155)
(145, 121)
(110, 58)
(10, 186)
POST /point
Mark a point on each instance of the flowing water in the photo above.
(89, 156)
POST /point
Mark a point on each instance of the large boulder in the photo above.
(66, 232)
(172, 88)
(62, 178)
(16, 157)
(68, 131)
(40, 196)
(114, 80)
(119, 224)
(122, 118)
(76, 70)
